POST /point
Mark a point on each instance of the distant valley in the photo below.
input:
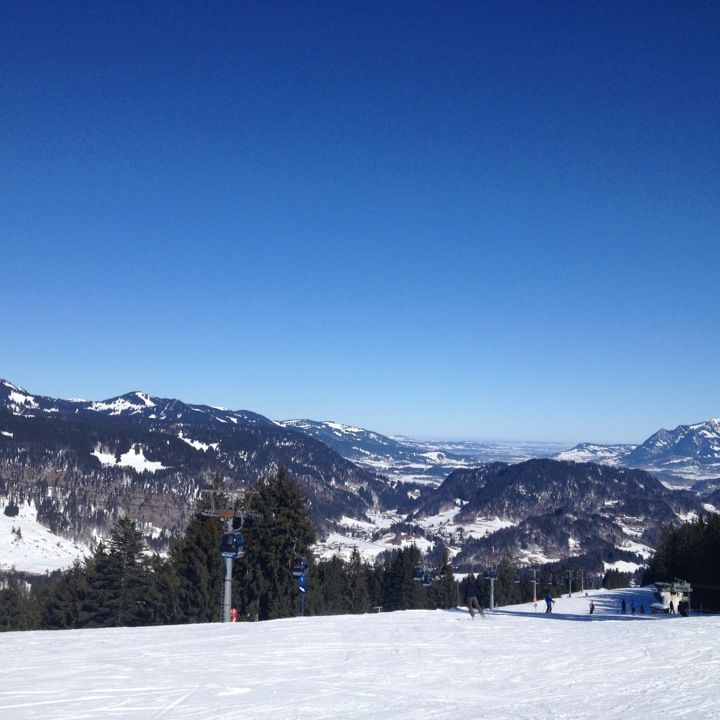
(73, 466)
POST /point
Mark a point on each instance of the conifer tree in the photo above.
(63, 603)
(358, 583)
(443, 592)
(19, 609)
(282, 531)
(119, 579)
(198, 571)
(400, 590)
(334, 586)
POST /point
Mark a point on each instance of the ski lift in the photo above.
(422, 575)
(299, 566)
(232, 545)
(490, 574)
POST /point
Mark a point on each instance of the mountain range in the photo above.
(79, 464)
(688, 456)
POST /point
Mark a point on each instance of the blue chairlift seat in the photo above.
(299, 566)
(232, 545)
(422, 575)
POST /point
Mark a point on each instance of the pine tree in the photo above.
(19, 609)
(359, 583)
(443, 593)
(119, 579)
(63, 602)
(198, 571)
(400, 590)
(334, 587)
(282, 531)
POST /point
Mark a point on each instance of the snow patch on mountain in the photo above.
(133, 458)
(197, 444)
(623, 566)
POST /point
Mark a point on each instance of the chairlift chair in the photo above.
(232, 545)
(421, 574)
(299, 566)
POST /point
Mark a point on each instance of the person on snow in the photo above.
(471, 597)
(549, 602)
(592, 607)
(623, 605)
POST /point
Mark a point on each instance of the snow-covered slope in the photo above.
(593, 452)
(29, 546)
(517, 664)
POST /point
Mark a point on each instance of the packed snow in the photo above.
(517, 663)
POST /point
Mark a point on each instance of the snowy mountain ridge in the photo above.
(687, 455)
(134, 405)
(80, 463)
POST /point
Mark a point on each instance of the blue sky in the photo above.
(439, 219)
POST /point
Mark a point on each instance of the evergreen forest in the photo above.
(123, 584)
(691, 552)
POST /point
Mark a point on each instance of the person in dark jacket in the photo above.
(471, 596)
(549, 602)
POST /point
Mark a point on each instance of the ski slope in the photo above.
(517, 663)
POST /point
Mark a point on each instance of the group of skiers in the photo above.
(473, 603)
(633, 607)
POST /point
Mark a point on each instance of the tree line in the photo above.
(690, 552)
(121, 584)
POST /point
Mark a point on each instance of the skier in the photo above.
(471, 597)
(549, 602)
(623, 605)
(592, 607)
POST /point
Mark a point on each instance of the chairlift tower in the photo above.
(228, 516)
(491, 576)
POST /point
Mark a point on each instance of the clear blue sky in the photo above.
(439, 219)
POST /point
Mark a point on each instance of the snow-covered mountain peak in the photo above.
(17, 399)
(131, 402)
(709, 428)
